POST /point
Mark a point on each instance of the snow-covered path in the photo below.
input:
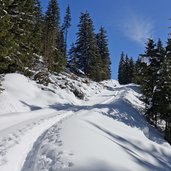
(19, 130)
(58, 132)
(105, 134)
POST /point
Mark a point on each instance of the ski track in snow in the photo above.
(23, 136)
(105, 133)
(52, 153)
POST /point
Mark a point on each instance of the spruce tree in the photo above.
(131, 70)
(102, 44)
(66, 24)
(157, 65)
(73, 58)
(89, 60)
(60, 60)
(165, 89)
(24, 32)
(147, 77)
(38, 28)
(54, 53)
(7, 42)
(127, 70)
(138, 72)
(121, 69)
(21, 20)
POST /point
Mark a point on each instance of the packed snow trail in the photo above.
(108, 133)
(28, 109)
(50, 129)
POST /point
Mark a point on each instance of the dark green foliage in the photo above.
(6, 38)
(165, 89)
(38, 28)
(17, 23)
(60, 60)
(66, 24)
(154, 76)
(121, 70)
(23, 29)
(149, 76)
(126, 69)
(51, 32)
(131, 70)
(139, 71)
(54, 45)
(89, 60)
(73, 58)
(102, 44)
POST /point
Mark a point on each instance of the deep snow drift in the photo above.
(49, 129)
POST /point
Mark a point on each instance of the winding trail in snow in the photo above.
(100, 135)
(96, 135)
(19, 131)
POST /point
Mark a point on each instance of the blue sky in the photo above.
(128, 23)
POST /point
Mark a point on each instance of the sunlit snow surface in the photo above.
(49, 129)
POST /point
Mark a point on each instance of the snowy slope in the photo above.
(27, 109)
(49, 129)
(109, 135)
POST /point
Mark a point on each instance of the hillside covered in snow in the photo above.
(78, 125)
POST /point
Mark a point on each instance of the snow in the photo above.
(50, 129)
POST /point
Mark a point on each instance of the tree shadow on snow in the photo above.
(162, 160)
(121, 111)
(124, 112)
(32, 107)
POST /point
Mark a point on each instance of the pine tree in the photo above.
(157, 66)
(54, 52)
(104, 54)
(72, 58)
(24, 33)
(89, 60)
(7, 43)
(21, 20)
(38, 28)
(66, 24)
(121, 69)
(60, 60)
(165, 89)
(138, 72)
(147, 77)
(127, 70)
(131, 70)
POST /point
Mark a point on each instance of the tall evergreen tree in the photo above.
(54, 53)
(24, 34)
(87, 49)
(126, 70)
(51, 33)
(102, 44)
(121, 69)
(7, 42)
(157, 65)
(147, 77)
(38, 28)
(21, 17)
(131, 70)
(73, 58)
(165, 89)
(66, 24)
(138, 71)
(60, 60)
